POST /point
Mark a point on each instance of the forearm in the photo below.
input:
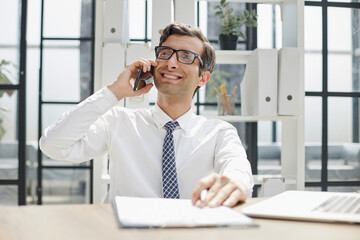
(231, 159)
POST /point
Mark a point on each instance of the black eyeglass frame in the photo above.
(177, 55)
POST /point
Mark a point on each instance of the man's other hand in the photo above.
(222, 190)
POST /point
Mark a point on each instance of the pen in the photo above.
(203, 195)
(217, 92)
(223, 89)
(221, 99)
(233, 92)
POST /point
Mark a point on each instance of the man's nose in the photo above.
(172, 62)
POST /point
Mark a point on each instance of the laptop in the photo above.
(309, 206)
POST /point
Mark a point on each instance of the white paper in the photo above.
(159, 212)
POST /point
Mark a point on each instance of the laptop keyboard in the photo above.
(340, 204)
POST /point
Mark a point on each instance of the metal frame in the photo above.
(41, 167)
(22, 107)
(21, 111)
(325, 94)
(252, 127)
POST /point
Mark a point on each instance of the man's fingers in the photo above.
(220, 182)
(239, 195)
(200, 204)
(143, 90)
(202, 184)
(222, 190)
(144, 63)
(235, 197)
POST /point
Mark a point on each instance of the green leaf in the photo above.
(241, 18)
(3, 62)
(242, 35)
(246, 13)
(251, 23)
(4, 79)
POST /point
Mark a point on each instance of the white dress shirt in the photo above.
(134, 138)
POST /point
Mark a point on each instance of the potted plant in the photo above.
(230, 24)
(5, 74)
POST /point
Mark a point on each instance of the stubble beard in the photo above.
(167, 88)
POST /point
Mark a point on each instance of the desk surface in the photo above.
(98, 222)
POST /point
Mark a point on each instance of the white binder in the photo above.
(289, 80)
(115, 28)
(259, 86)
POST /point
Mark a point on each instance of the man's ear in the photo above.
(204, 78)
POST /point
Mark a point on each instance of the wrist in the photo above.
(115, 90)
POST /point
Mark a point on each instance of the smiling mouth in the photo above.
(170, 76)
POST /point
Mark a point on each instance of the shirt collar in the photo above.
(161, 118)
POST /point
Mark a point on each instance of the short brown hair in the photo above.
(208, 54)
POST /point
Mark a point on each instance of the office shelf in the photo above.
(259, 179)
(232, 57)
(292, 127)
(234, 118)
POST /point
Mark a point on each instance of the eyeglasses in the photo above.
(183, 56)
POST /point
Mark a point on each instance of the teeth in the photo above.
(169, 76)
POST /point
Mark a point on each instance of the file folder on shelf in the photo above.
(289, 80)
(259, 86)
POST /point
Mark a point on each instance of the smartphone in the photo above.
(142, 76)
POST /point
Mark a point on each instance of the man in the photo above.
(165, 151)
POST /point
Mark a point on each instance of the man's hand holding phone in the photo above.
(141, 78)
(124, 85)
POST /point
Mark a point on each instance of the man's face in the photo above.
(172, 77)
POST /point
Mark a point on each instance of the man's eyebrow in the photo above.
(182, 50)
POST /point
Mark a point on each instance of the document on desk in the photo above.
(132, 212)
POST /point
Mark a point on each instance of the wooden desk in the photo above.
(67, 222)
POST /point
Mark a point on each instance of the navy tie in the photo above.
(169, 176)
